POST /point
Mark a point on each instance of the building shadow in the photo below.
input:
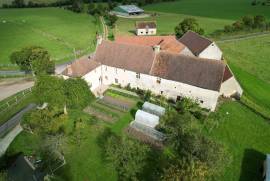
(132, 31)
(252, 164)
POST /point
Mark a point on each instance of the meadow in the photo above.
(166, 23)
(58, 30)
(229, 9)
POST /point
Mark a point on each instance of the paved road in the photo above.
(7, 140)
(10, 129)
(11, 86)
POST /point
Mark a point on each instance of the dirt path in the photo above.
(244, 37)
(105, 28)
(11, 86)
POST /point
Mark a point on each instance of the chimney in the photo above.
(156, 48)
(69, 70)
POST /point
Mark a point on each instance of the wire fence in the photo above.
(14, 100)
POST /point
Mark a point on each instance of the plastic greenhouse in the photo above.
(153, 109)
(146, 118)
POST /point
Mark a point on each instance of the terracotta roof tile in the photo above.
(167, 43)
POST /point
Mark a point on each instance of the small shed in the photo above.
(153, 109)
(146, 28)
(146, 119)
(127, 10)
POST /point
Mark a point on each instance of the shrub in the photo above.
(238, 25)
(228, 29)
(248, 21)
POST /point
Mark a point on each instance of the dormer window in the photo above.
(138, 75)
(158, 80)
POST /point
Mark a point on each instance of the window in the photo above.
(116, 70)
(106, 77)
(201, 101)
(106, 68)
(116, 81)
(138, 75)
(158, 80)
(161, 92)
(141, 32)
(178, 98)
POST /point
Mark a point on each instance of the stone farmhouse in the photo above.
(164, 65)
(146, 28)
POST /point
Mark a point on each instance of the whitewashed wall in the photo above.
(93, 78)
(230, 87)
(187, 52)
(211, 52)
(151, 31)
(168, 88)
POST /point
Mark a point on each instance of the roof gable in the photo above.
(195, 42)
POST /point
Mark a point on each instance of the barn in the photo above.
(127, 10)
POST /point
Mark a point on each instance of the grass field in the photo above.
(58, 30)
(85, 160)
(26, 1)
(246, 136)
(229, 9)
(166, 23)
(249, 62)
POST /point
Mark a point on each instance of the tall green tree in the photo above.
(186, 25)
(33, 58)
(77, 93)
(128, 156)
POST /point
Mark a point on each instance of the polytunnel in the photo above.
(146, 118)
(153, 109)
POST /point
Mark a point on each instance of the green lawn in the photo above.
(85, 161)
(249, 62)
(246, 135)
(229, 9)
(58, 30)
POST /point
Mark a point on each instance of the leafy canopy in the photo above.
(186, 25)
(33, 58)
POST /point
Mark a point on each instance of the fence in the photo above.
(15, 120)
(14, 100)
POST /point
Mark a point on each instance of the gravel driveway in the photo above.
(11, 86)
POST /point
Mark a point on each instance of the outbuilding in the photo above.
(146, 119)
(127, 10)
(146, 28)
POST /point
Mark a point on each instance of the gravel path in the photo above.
(5, 142)
(11, 86)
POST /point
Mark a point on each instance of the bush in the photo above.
(228, 29)
(248, 21)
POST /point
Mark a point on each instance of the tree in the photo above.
(259, 21)
(33, 58)
(111, 19)
(248, 21)
(18, 3)
(188, 24)
(128, 156)
(50, 89)
(77, 93)
(92, 9)
(77, 6)
(47, 121)
(185, 170)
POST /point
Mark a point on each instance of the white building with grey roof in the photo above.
(163, 72)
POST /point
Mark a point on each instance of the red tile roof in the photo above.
(167, 43)
(145, 24)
